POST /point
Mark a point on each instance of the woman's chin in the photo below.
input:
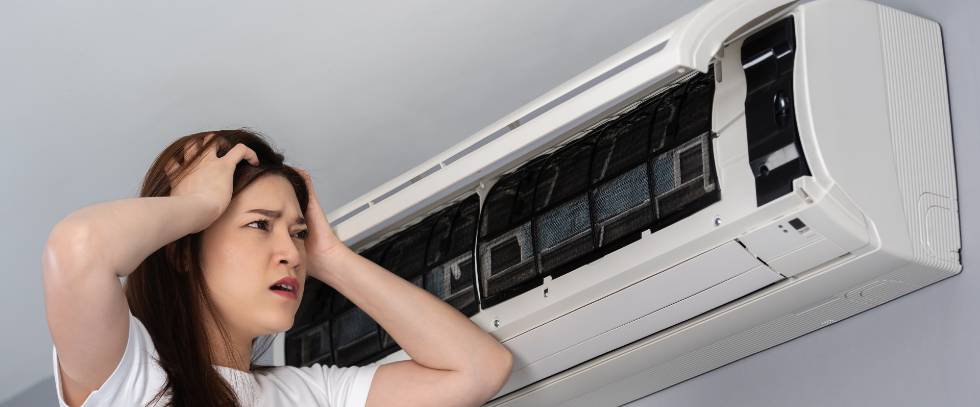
(278, 323)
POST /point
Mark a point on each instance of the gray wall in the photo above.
(89, 94)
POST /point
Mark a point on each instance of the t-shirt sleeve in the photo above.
(130, 382)
(349, 386)
(339, 386)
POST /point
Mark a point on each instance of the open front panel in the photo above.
(655, 303)
(642, 170)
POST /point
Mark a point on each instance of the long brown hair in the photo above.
(167, 291)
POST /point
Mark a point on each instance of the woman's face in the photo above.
(246, 252)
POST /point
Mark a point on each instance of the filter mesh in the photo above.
(665, 119)
(622, 194)
(406, 255)
(683, 175)
(664, 174)
(453, 281)
(311, 345)
(315, 304)
(565, 175)
(511, 201)
(524, 202)
(563, 222)
(464, 226)
(506, 249)
(355, 336)
(694, 117)
(507, 260)
(499, 205)
(640, 170)
(439, 240)
(622, 205)
(622, 144)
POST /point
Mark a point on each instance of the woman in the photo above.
(214, 252)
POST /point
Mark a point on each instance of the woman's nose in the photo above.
(286, 249)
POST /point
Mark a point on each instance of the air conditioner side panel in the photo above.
(873, 107)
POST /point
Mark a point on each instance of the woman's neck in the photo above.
(237, 354)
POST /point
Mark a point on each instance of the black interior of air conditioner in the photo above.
(592, 196)
(775, 152)
(435, 254)
(643, 169)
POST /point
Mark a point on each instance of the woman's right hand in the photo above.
(210, 177)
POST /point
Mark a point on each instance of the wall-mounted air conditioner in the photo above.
(749, 173)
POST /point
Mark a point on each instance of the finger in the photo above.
(194, 145)
(210, 153)
(171, 168)
(309, 183)
(314, 204)
(240, 152)
(305, 175)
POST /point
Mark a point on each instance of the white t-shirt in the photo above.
(137, 378)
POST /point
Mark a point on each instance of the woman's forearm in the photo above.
(433, 333)
(127, 231)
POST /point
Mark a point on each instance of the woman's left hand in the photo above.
(322, 244)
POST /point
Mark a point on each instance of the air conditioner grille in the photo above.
(642, 169)
(593, 195)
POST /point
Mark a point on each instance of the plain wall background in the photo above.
(91, 93)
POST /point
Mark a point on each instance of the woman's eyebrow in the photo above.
(276, 214)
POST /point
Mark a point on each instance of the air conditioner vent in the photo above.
(593, 195)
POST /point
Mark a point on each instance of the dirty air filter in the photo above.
(643, 169)
(355, 334)
(680, 178)
(406, 252)
(684, 178)
(507, 261)
(308, 342)
(309, 346)
(405, 257)
(449, 257)
(563, 223)
(620, 177)
(435, 254)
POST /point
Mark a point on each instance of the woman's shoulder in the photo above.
(136, 377)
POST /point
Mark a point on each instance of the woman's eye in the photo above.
(303, 234)
(266, 223)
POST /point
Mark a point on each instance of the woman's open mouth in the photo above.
(287, 287)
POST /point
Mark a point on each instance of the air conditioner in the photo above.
(754, 171)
